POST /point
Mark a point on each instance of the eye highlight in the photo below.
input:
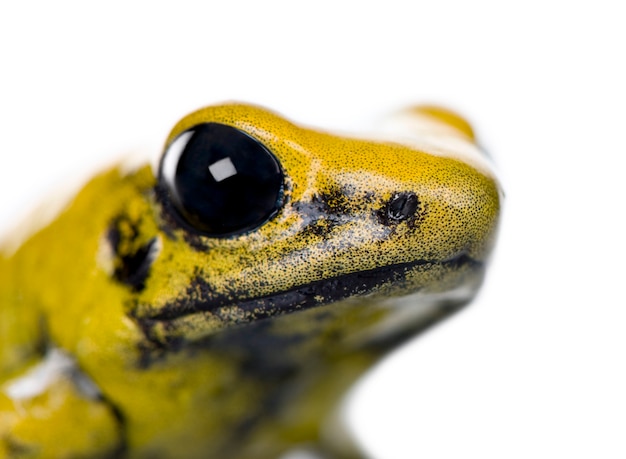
(221, 181)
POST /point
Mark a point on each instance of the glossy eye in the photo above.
(220, 180)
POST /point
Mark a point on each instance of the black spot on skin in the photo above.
(321, 228)
(312, 210)
(342, 201)
(136, 267)
(131, 268)
(327, 211)
(196, 242)
(403, 206)
(335, 201)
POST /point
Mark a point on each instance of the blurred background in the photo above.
(535, 367)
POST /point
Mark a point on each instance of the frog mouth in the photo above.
(301, 297)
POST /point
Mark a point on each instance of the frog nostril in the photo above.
(402, 206)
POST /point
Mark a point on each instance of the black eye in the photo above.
(221, 181)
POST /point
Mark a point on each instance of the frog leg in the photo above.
(54, 411)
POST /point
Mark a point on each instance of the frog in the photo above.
(222, 303)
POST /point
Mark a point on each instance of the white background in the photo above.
(534, 368)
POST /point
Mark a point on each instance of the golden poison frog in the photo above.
(221, 306)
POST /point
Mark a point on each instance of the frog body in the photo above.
(165, 328)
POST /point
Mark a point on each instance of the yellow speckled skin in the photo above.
(192, 341)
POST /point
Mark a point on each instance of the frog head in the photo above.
(256, 217)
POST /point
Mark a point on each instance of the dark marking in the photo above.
(267, 358)
(16, 449)
(337, 201)
(321, 228)
(168, 223)
(196, 242)
(327, 211)
(42, 341)
(198, 291)
(274, 400)
(343, 201)
(122, 447)
(334, 204)
(257, 348)
(132, 268)
(155, 348)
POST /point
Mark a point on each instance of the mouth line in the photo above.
(301, 297)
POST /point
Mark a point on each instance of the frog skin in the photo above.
(141, 324)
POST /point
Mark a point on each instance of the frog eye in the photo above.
(221, 181)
